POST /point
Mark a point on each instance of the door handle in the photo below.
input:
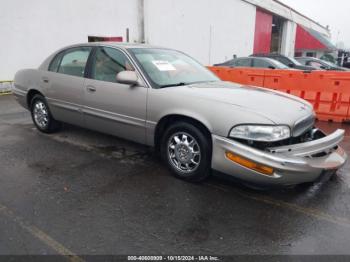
(91, 89)
(45, 79)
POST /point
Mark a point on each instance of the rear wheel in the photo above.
(187, 152)
(41, 115)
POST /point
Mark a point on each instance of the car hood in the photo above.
(280, 108)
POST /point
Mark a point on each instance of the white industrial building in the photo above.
(209, 30)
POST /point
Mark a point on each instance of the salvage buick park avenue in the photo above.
(163, 98)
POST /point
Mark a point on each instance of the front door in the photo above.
(111, 107)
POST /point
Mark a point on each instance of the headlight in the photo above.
(260, 133)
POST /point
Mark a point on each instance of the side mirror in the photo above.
(291, 65)
(271, 67)
(128, 78)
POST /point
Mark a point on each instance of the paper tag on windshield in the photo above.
(163, 65)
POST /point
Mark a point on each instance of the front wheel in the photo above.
(187, 152)
(41, 115)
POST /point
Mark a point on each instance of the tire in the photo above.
(178, 152)
(41, 115)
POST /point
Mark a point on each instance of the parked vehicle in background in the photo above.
(257, 62)
(320, 64)
(328, 58)
(163, 98)
(346, 64)
(288, 61)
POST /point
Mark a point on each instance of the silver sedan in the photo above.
(164, 98)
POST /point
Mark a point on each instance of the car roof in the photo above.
(243, 57)
(266, 55)
(122, 45)
(253, 57)
(266, 59)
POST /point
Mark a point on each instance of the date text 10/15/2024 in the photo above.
(173, 258)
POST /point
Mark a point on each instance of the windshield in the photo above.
(164, 67)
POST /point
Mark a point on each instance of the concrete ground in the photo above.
(80, 192)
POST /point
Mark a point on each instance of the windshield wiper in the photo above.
(176, 84)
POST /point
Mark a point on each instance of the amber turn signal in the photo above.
(266, 170)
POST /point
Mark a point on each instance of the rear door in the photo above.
(65, 84)
(111, 107)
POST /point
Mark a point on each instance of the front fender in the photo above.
(217, 117)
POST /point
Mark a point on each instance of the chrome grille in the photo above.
(304, 124)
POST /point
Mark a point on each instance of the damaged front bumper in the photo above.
(292, 164)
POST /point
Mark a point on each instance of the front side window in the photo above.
(107, 63)
(165, 67)
(74, 61)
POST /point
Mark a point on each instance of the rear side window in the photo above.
(230, 63)
(74, 61)
(243, 62)
(260, 63)
(55, 63)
